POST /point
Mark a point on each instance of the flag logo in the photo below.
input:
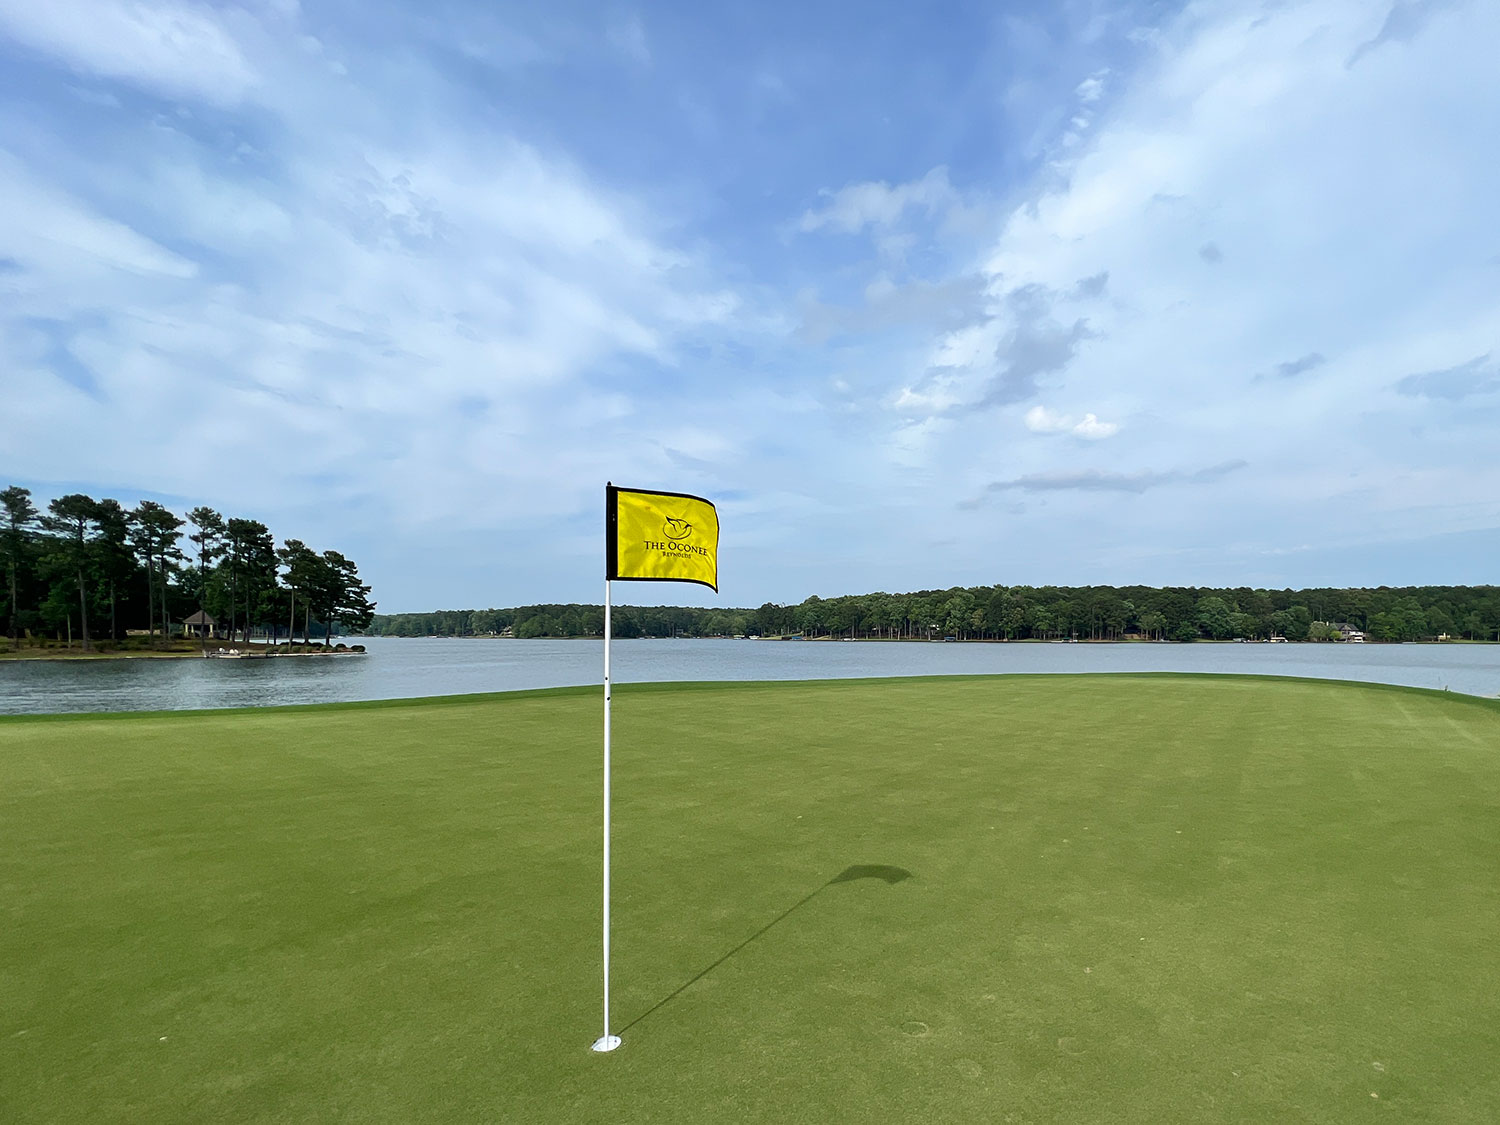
(660, 537)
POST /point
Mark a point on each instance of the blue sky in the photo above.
(920, 295)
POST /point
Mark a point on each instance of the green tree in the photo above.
(349, 601)
(1413, 620)
(73, 520)
(1015, 614)
(20, 517)
(258, 574)
(115, 564)
(1215, 618)
(301, 566)
(953, 616)
(809, 616)
(154, 532)
(207, 538)
(1292, 623)
(249, 571)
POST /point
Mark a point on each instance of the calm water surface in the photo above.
(397, 668)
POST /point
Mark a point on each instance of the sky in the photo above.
(1065, 292)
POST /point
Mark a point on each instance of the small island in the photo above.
(92, 579)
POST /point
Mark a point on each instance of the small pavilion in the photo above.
(200, 625)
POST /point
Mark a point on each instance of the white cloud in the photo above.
(430, 321)
(1346, 204)
(172, 48)
(1040, 420)
(44, 229)
(878, 204)
(1093, 429)
(1090, 89)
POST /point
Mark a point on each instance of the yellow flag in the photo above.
(660, 537)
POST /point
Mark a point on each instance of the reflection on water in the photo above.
(398, 668)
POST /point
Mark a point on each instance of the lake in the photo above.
(397, 668)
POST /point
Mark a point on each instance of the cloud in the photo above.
(998, 359)
(1403, 23)
(46, 229)
(1040, 420)
(1035, 345)
(1089, 288)
(1479, 375)
(1294, 367)
(47, 343)
(1101, 480)
(879, 204)
(170, 48)
(412, 310)
(1346, 202)
(1094, 430)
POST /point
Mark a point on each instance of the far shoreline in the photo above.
(239, 650)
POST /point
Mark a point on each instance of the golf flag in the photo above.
(660, 537)
(648, 537)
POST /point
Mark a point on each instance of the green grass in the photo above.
(1134, 898)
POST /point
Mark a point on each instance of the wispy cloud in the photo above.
(1102, 480)
(879, 204)
(400, 315)
(1091, 89)
(1183, 173)
(1000, 358)
(1478, 376)
(1291, 368)
(43, 228)
(160, 45)
(1403, 22)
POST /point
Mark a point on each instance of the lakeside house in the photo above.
(1337, 631)
(200, 625)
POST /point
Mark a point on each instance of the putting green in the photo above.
(1131, 898)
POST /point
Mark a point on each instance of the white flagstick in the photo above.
(606, 1042)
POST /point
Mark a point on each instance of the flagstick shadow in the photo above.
(848, 875)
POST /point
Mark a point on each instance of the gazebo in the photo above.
(199, 625)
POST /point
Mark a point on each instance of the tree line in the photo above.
(1409, 613)
(97, 571)
(563, 621)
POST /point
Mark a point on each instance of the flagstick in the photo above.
(606, 1042)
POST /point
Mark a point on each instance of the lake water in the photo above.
(397, 668)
